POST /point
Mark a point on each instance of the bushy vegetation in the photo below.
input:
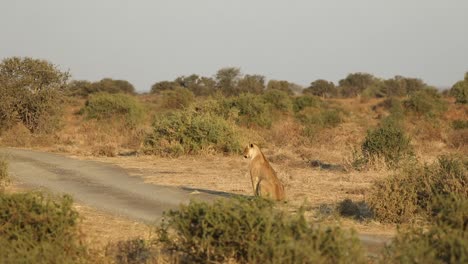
(388, 142)
(36, 228)
(177, 98)
(191, 132)
(84, 88)
(251, 231)
(133, 251)
(412, 191)
(459, 124)
(279, 100)
(252, 110)
(445, 241)
(425, 102)
(105, 106)
(4, 176)
(460, 90)
(30, 93)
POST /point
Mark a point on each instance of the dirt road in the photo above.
(111, 189)
(99, 185)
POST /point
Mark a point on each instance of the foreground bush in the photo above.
(191, 132)
(4, 177)
(445, 241)
(251, 231)
(413, 191)
(105, 106)
(38, 229)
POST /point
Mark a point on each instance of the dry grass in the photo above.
(283, 144)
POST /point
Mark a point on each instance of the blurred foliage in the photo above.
(252, 231)
(36, 228)
(460, 90)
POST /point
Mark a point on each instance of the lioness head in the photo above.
(250, 151)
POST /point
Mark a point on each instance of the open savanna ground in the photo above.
(369, 155)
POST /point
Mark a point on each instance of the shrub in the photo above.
(177, 98)
(251, 231)
(279, 100)
(132, 251)
(413, 191)
(426, 103)
(104, 106)
(191, 132)
(460, 90)
(30, 93)
(459, 124)
(39, 229)
(319, 117)
(4, 177)
(445, 241)
(301, 102)
(388, 142)
(252, 110)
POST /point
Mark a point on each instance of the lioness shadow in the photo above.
(326, 166)
(216, 193)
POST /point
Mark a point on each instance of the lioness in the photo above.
(265, 183)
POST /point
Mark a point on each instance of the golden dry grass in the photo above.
(283, 145)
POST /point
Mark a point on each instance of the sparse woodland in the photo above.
(393, 152)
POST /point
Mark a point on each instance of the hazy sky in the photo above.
(300, 41)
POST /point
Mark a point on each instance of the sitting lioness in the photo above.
(265, 183)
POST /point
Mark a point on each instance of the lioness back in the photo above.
(265, 182)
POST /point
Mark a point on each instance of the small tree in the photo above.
(251, 84)
(460, 90)
(109, 85)
(30, 92)
(355, 83)
(163, 86)
(199, 85)
(281, 85)
(321, 88)
(227, 80)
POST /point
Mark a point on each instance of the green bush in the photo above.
(4, 177)
(426, 103)
(191, 132)
(388, 142)
(105, 106)
(460, 90)
(178, 98)
(279, 100)
(38, 229)
(459, 124)
(301, 102)
(445, 241)
(413, 191)
(31, 93)
(252, 231)
(252, 110)
(320, 117)
(132, 251)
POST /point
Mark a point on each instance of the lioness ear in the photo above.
(251, 145)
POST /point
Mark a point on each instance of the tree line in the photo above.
(31, 89)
